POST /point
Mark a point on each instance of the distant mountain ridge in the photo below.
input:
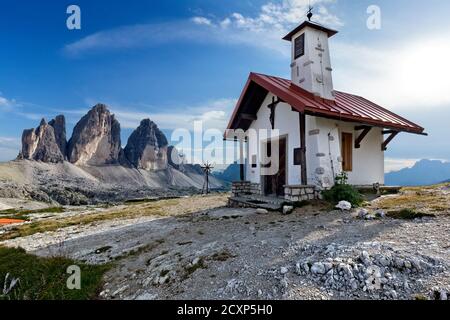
(424, 172)
(230, 174)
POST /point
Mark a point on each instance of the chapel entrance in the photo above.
(273, 183)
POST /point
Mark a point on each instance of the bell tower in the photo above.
(311, 62)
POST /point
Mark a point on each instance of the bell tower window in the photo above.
(299, 47)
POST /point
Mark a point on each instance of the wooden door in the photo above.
(347, 152)
(274, 184)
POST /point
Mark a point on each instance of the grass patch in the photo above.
(415, 197)
(46, 278)
(26, 212)
(343, 192)
(141, 249)
(20, 214)
(191, 268)
(222, 256)
(408, 214)
(162, 208)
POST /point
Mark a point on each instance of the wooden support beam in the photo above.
(248, 116)
(388, 140)
(303, 173)
(241, 159)
(389, 132)
(361, 137)
(359, 128)
(273, 107)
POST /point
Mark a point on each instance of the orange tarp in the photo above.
(10, 221)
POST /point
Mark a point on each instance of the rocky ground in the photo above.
(214, 252)
(67, 184)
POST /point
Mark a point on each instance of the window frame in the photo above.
(302, 53)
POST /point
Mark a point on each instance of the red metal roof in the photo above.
(346, 107)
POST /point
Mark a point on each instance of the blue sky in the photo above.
(176, 61)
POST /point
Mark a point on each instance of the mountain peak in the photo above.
(424, 172)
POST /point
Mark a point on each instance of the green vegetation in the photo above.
(222, 256)
(342, 191)
(408, 214)
(21, 214)
(182, 207)
(191, 268)
(46, 278)
(26, 212)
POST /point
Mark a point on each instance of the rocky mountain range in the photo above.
(96, 142)
(424, 172)
(92, 166)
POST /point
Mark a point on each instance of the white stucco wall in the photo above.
(287, 122)
(314, 64)
(323, 148)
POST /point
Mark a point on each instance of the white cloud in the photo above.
(412, 73)
(201, 20)
(214, 114)
(7, 104)
(264, 30)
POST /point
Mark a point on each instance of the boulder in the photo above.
(344, 206)
(318, 268)
(288, 210)
(262, 211)
(96, 139)
(380, 214)
(363, 213)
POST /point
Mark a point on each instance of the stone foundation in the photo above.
(245, 188)
(301, 193)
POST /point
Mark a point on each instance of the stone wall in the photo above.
(301, 193)
(242, 188)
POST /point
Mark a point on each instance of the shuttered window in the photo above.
(299, 46)
(347, 152)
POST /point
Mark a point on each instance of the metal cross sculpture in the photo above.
(207, 168)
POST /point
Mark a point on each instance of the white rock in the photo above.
(380, 214)
(363, 213)
(393, 294)
(365, 258)
(284, 270)
(442, 295)
(262, 211)
(344, 206)
(147, 296)
(288, 209)
(318, 268)
(120, 290)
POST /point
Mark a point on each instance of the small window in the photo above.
(299, 47)
(347, 152)
(297, 156)
(254, 161)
